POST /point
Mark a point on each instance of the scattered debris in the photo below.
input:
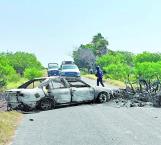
(145, 93)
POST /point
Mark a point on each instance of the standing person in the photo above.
(99, 75)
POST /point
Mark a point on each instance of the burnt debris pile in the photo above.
(140, 93)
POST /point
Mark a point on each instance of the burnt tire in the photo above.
(103, 97)
(46, 104)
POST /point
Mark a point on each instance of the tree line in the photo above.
(86, 54)
(13, 66)
(118, 65)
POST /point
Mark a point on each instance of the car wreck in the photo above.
(49, 92)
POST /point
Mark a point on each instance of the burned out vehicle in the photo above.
(47, 93)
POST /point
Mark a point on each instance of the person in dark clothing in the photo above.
(99, 75)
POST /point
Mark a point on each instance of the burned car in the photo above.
(47, 93)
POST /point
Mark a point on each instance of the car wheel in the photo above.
(46, 104)
(103, 97)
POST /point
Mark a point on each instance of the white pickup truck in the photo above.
(69, 71)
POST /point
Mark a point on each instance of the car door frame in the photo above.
(85, 86)
(67, 88)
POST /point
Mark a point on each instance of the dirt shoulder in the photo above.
(8, 124)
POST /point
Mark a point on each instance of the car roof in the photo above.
(46, 79)
(69, 64)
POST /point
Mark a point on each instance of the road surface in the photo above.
(91, 124)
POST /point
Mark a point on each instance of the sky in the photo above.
(52, 29)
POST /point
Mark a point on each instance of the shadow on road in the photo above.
(57, 107)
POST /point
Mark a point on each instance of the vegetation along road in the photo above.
(91, 124)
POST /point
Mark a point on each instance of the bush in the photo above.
(147, 57)
(148, 70)
(13, 78)
(31, 73)
(22, 60)
(7, 74)
(117, 71)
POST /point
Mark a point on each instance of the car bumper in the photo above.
(53, 73)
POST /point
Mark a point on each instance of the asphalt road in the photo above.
(91, 124)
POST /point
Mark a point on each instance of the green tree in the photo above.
(31, 73)
(118, 71)
(147, 57)
(84, 58)
(99, 45)
(148, 70)
(14, 64)
(127, 56)
(22, 60)
(85, 55)
(111, 58)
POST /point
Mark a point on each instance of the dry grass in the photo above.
(8, 123)
(90, 76)
(109, 81)
(116, 83)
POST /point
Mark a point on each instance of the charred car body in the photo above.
(47, 93)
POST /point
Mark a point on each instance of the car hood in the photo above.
(70, 70)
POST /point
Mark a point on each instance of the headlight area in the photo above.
(62, 73)
(78, 74)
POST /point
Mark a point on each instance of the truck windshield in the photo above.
(69, 67)
(52, 66)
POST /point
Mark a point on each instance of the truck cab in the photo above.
(53, 69)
